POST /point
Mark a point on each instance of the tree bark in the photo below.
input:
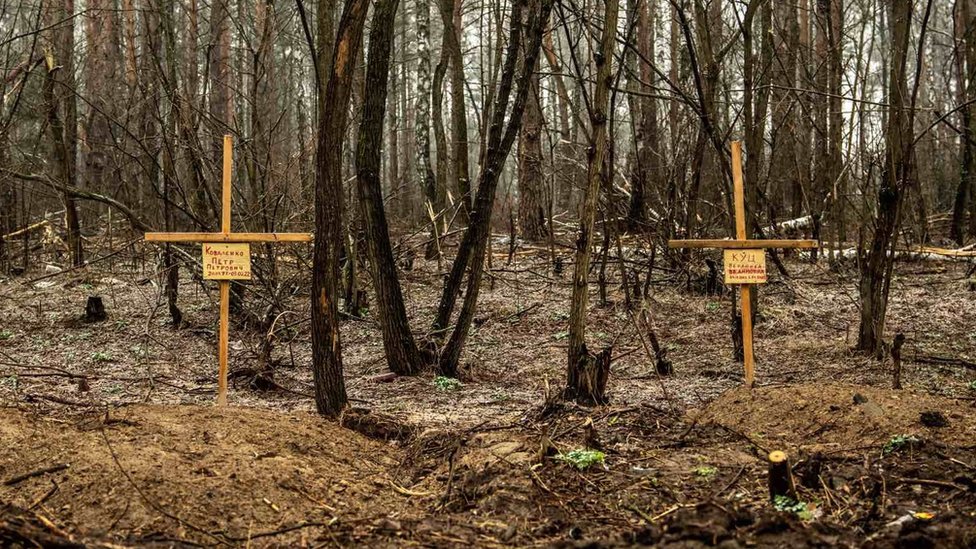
(965, 65)
(330, 389)
(425, 174)
(402, 355)
(59, 95)
(531, 211)
(577, 385)
(451, 18)
(877, 261)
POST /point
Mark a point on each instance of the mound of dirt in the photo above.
(837, 418)
(145, 474)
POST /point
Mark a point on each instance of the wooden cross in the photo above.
(745, 260)
(226, 257)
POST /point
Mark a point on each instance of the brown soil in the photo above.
(152, 473)
(126, 404)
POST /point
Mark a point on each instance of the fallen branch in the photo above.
(47, 470)
(134, 219)
(27, 229)
(945, 361)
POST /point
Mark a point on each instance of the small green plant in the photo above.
(560, 335)
(11, 381)
(6, 334)
(581, 458)
(712, 306)
(500, 396)
(706, 471)
(971, 384)
(898, 442)
(101, 356)
(787, 504)
(444, 383)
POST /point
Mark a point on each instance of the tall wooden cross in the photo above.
(226, 257)
(744, 259)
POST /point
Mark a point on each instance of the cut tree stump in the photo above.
(95, 309)
(591, 375)
(780, 476)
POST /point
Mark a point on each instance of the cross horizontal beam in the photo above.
(742, 244)
(228, 237)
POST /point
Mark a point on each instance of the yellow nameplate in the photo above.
(745, 266)
(226, 261)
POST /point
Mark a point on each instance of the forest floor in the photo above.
(108, 434)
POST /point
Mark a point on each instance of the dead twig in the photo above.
(45, 471)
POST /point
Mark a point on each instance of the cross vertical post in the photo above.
(226, 257)
(224, 284)
(745, 290)
(745, 260)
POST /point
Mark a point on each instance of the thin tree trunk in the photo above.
(425, 174)
(59, 91)
(578, 383)
(896, 177)
(402, 355)
(531, 211)
(451, 18)
(500, 139)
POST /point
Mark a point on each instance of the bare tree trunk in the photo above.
(168, 79)
(402, 355)
(783, 165)
(425, 174)
(897, 174)
(965, 64)
(647, 165)
(500, 139)
(451, 18)
(330, 389)
(835, 120)
(102, 91)
(531, 211)
(62, 115)
(586, 374)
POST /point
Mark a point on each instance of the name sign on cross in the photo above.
(744, 260)
(226, 256)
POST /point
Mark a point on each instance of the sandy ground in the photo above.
(126, 405)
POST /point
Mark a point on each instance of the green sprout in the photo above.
(101, 356)
(787, 504)
(706, 471)
(712, 306)
(6, 334)
(971, 384)
(444, 383)
(898, 442)
(582, 458)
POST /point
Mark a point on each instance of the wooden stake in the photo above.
(745, 292)
(225, 284)
(228, 169)
(224, 337)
